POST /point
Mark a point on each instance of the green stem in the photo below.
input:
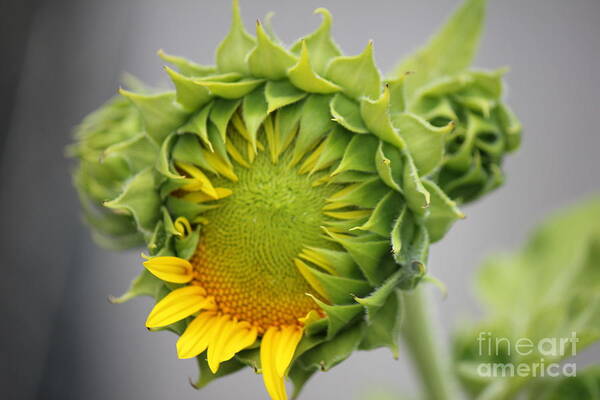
(430, 357)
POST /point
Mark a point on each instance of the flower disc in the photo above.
(245, 256)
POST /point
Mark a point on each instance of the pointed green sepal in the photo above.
(359, 155)
(160, 113)
(358, 76)
(388, 162)
(338, 317)
(443, 212)
(319, 44)
(189, 94)
(254, 112)
(145, 284)
(185, 66)
(383, 329)
(197, 125)
(233, 50)
(417, 197)
(268, 59)
(221, 112)
(425, 142)
(164, 162)
(304, 77)
(140, 198)
(330, 353)
(346, 112)
(315, 122)
(230, 90)
(376, 117)
(281, 93)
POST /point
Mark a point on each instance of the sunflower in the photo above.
(287, 197)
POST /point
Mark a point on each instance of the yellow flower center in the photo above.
(245, 256)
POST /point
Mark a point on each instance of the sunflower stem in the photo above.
(430, 356)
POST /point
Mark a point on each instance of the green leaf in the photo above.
(586, 385)
(347, 113)
(160, 113)
(232, 52)
(281, 93)
(450, 51)
(303, 76)
(319, 44)
(357, 76)
(554, 283)
(268, 59)
(140, 198)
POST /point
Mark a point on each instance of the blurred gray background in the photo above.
(61, 339)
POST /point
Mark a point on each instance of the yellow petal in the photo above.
(286, 347)
(221, 332)
(170, 269)
(179, 304)
(273, 382)
(228, 338)
(243, 337)
(196, 336)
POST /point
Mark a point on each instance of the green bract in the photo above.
(399, 152)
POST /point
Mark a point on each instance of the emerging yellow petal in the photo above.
(276, 352)
(179, 304)
(200, 197)
(170, 269)
(182, 226)
(201, 181)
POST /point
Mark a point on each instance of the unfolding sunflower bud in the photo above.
(294, 194)
(112, 147)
